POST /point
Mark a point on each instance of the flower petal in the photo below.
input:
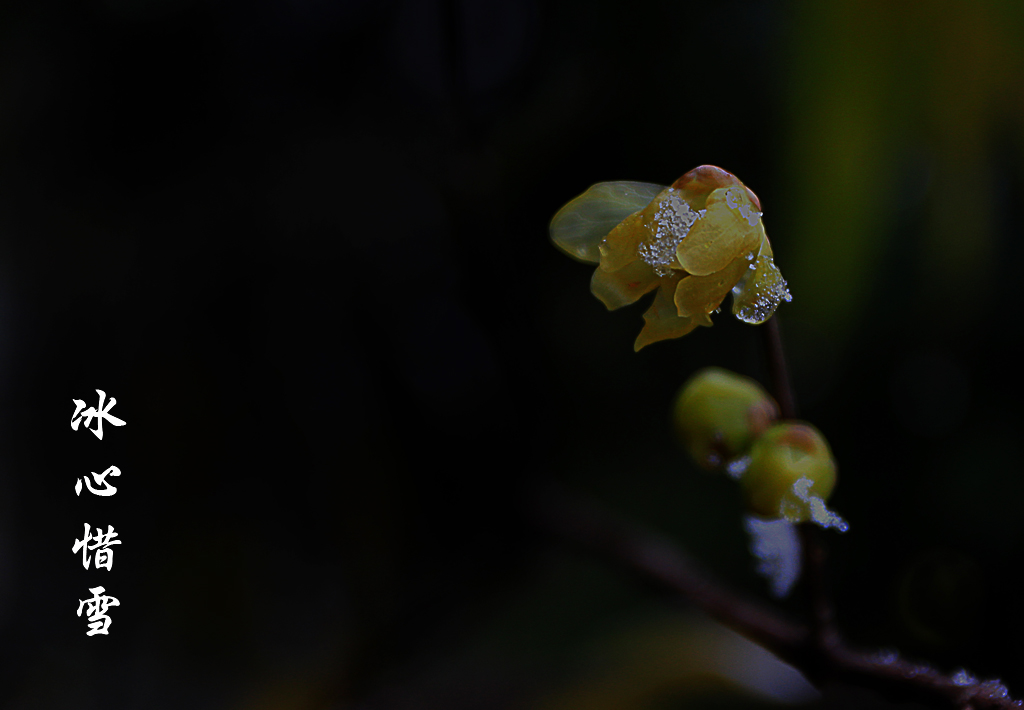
(661, 322)
(621, 246)
(697, 184)
(731, 226)
(616, 289)
(755, 298)
(697, 296)
(580, 226)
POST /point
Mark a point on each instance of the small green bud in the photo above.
(774, 482)
(718, 415)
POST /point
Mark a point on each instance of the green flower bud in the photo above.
(791, 473)
(718, 415)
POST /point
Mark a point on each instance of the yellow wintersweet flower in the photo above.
(694, 242)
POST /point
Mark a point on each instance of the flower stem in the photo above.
(823, 628)
(781, 387)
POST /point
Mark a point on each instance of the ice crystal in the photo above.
(737, 466)
(672, 222)
(964, 677)
(887, 656)
(992, 690)
(734, 199)
(776, 545)
(917, 670)
(819, 511)
(770, 290)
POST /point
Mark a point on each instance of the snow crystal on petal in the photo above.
(820, 513)
(768, 290)
(672, 223)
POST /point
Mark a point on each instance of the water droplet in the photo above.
(767, 289)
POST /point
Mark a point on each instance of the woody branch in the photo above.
(663, 565)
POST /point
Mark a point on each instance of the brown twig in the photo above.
(660, 563)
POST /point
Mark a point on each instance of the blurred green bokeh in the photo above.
(900, 120)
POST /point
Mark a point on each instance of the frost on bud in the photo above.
(790, 475)
(718, 415)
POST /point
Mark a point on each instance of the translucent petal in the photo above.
(661, 322)
(699, 295)
(730, 227)
(620, 288)
(622, 244)
(697, 184)
(703, 319)
(579, 227)
(756, 297)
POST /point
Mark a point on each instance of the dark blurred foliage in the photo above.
(304, 244)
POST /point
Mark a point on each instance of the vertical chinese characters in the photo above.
(101, 543)
(100, 479)
(96, 611)
(94, 413)
(96, 547)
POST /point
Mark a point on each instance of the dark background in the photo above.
(304, 245)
